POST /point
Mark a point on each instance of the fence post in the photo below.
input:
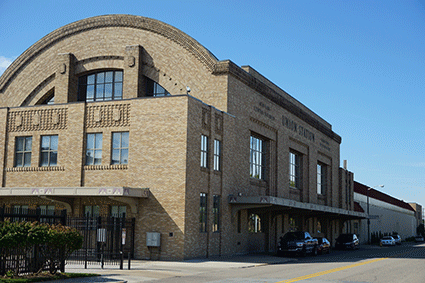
(2, 213)
(129, 260)
(86, 231)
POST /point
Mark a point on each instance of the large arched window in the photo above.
(100, 86)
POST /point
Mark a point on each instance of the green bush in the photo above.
(54, 242)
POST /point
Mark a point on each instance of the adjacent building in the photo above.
(388, 215)
(124, 114)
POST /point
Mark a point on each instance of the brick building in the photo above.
(125, 114)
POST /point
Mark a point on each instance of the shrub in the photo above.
(54, 242)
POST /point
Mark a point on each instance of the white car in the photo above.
(387, 241)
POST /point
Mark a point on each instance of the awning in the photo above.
(77, 191)
(65, 195)
(281, 203)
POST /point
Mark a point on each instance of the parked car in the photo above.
(397, 239)
(300, 243)
(324, 246)
(387, 241)
(347, 241)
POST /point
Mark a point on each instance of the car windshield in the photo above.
(345, 238)
(291, 236)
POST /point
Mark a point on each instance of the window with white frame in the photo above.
(217, 155)
(49, 150)
(257, 159)
(204, 151)
(321, 178)
(120, 148)
(294, 170)
(94, 149)
(23, 148)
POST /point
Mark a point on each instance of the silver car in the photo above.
(387, 241)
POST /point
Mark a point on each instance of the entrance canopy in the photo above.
(64, 195)
(310, 209)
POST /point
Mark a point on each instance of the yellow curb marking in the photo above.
(330, 271)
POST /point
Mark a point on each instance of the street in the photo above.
(403, 263)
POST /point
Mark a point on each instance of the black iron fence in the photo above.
(107, 239)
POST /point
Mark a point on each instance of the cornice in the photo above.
(228, 67)
(106, 21)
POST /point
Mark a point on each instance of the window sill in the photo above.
(33, 169)
(258, 182)
(106, 167)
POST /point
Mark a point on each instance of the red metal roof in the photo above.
(362, 189)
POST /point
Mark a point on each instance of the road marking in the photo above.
(330, 271)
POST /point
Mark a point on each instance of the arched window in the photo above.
(100, 86)
(155, 89)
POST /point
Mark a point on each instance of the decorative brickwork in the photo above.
(106, 167)
(103, 116)
(37, 89)
(136, 22)
(35, 169)
(38, 120)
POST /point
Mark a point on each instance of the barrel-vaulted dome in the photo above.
(102, 22)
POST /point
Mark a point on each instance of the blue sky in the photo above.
(359, 64)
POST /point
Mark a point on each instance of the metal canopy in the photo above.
(276, 203)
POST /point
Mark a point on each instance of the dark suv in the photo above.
(347, 241)
(299, 242)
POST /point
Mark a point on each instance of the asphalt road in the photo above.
(405, 263)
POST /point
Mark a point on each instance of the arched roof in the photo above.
(129, 21)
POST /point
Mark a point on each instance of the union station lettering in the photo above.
(293, 126)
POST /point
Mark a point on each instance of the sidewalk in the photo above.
(146, 270)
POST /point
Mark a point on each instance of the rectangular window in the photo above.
(22, 211)
(120, 148)
(203, 213)
(91, 210)
(321, 179)
(217, 155)
(94, 149)
(49, 151)
(294, 170)
(118, 210)
(23, 149)
(216, 213)
(257, 158)
(204, 151)
(47, 210)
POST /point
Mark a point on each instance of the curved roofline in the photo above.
(129, 21)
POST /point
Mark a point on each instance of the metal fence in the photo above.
(107, 239)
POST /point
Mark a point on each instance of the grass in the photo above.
(44, 276)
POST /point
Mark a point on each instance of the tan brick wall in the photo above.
(225, 103)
